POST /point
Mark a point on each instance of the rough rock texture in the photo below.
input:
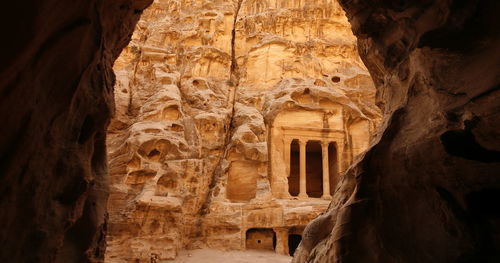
(209, 96)
(56, 83)
(429, 190)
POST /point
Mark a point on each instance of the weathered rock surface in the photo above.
(429, 190)
(427, 193)
(210, 96)
(56, 83)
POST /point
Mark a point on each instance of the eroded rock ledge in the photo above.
(428, 191)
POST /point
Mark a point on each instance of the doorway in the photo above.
(293, 243)
(314, 169)
(261, 239)
(293, 178)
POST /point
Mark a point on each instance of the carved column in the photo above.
(303, 191)
(281, 240)
(286, 155)
(284, 190)
(326, 170)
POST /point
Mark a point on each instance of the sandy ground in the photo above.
(216, 256)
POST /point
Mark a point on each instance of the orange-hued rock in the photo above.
(212, 98)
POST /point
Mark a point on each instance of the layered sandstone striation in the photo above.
(428, 191)
(212, 99)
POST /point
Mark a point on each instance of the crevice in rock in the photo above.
(455, 115)
(235, 75)
(86, 130)
(233, 82)
(462, 143)
(486, 93)
(78, 237)
(73, 191)
(134, 82)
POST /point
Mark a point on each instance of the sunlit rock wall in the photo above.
(196, 155)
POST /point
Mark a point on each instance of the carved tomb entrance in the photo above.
(260, 238)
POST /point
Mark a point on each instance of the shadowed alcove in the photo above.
(314, 169)
(293, 179)
(261, 239)
(293, 243)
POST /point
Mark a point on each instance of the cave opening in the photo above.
(293, 243)
(154, 153)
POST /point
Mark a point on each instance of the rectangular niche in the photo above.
(293, 179)
(260, 238)
(242, 181)
(314, 169)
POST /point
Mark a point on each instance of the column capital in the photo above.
(302, 140)
(325, 143)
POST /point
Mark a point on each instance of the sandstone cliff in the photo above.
(210, 98)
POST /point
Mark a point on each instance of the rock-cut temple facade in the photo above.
(234, 123)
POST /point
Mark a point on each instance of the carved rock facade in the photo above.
(234, 122)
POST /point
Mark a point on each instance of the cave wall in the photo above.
(428, 191)
(436, 167)
(56, 84)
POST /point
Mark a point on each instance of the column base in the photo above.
(303, 196)
(326, 197)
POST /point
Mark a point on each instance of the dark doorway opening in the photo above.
(293, 243)
(314, 169)
(293, 179)
(260, 238)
